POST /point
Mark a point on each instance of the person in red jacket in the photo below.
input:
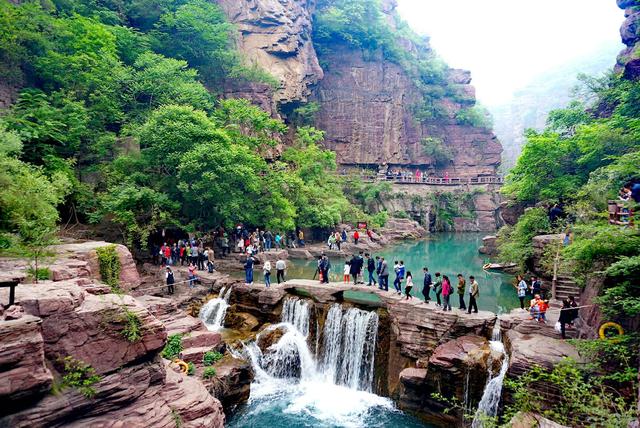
(356, 236)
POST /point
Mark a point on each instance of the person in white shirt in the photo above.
(266, 269)
(280, 268)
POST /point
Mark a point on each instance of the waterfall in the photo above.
(490, 400)
(297, 313)
(212, 313)
(349, 344)
(290, 357)
(349, 347)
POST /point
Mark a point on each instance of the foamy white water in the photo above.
(490, 400)
(213, 312)
(334, 393)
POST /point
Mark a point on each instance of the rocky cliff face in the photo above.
(276, 35)
(366, 111)
(629, 58)
(365, 105)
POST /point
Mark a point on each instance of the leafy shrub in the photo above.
(211, 357)
(191, 370)
(209, 373)
(514, 243)
(110, 266)
(80, 376)
(621, 296)
(173, 347)
(474, 116)
(401, 214)
(580, 398)
(435, 149)
(43, 273)
(132, 328)
(379, 219)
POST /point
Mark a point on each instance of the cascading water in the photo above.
(350, 346)
(213, 312)
(333, 392)
(490, 400)
(297, 312)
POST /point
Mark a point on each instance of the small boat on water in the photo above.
(498, 267)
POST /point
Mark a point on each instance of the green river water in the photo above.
(448, 253)
(318, 403)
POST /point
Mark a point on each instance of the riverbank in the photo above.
(418, 347)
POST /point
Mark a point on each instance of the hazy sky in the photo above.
(507, 42)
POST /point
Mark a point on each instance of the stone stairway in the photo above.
(567, 287)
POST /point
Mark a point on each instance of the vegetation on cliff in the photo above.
(364, 25)
(585, 155)
(119, 121)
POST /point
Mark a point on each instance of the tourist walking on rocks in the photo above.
(565, 317)
(175, 254)
(574, 310)
(384, 275)
(446, 292)
(225, 245)
(409, 286)
(543, 306)
(301, 238)
(281, 266)
(462, 285)
(536, 286)
(266, 270)
(344, 235)
(427, 284)
(278, 240)
(437, 289)
(210, 259)
(268, 239)
(371, 268)
(522, 290)
(248, 269)
(474, 293)
(183, 254)
(191, 275)
(170, 280)
(325, 267)
(331, 241)
(338, 239)
(353, 269)
(356, 236)
(346, 272)
(399, 269)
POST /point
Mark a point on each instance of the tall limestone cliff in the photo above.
(368, 104)
(365, 104)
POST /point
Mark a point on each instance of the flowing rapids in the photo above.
(213, 312)
(490, 400)
(295, 388)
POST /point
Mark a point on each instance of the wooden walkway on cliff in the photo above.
(430, 181)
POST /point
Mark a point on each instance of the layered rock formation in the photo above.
(276, 35)
(366, 111)
(629, 59)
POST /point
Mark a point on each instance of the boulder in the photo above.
(241, 320)
(90, 328)
(489, 245)
(269, 337)
(300, 253)
(81, 260)
(23, 372)
(232, 383)
(139, 395)
(528, 350)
